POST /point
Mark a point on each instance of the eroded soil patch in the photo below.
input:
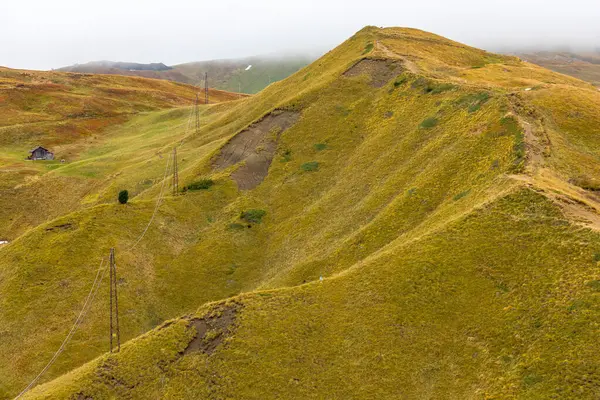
(380, 70)
(212, 329)
(255, 146)
(61, 227)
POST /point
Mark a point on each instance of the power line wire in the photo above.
(100, 276)
(82, 313)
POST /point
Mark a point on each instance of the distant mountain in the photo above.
(582, 65)
(246, 75)
(129, 66)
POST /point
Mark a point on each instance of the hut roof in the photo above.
(40, 147)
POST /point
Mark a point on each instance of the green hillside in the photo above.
(230, 75)
(407, 217)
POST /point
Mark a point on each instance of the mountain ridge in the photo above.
(418, 233)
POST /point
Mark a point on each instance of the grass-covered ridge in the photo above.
(453, 265)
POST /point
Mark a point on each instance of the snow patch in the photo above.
(248, 67)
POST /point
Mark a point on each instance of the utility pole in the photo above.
(114, 324)
(197, 111)
(206, 88)
(175, 173)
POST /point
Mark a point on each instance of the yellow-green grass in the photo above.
(485, 308)
(77, 116)
(444, 277)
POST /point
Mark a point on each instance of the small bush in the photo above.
(531, 379)
(202, 184)
(123, 196)
(343, 110)
(474, 107)
(254, 216)
(287, 156)
(310, 166)
(586, 182)
(235, 227)
(368, 48)
(420, 83)
(320, 146)
(401, 80)
(429, 123)
(474, 101)
(441, 88)
(594, 285)
(461, 195)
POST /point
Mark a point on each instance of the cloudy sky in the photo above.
(44, 34)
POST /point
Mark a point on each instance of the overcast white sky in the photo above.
(44, 34)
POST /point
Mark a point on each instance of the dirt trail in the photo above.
(255, 146)
(582, 207)
(386, 52)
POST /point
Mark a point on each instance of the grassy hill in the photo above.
(405, 217)
(71, 114)
(230, 75)
(585, 66)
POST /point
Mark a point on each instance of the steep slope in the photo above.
(441, 201)
(230, 75)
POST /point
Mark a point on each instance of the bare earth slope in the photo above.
(445, 195)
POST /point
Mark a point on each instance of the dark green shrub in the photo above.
(474, 107)
(368, 48)
(123, 196)
(399, 81)
(202, 184)
(421, 83)
(594, 285)
(254, 216)
(586, 182)
(310, 166)
(287, 156)
(429, 123)
(235, 227)
(320, 146)
(461, 195)
(474, 101)
(441, 88)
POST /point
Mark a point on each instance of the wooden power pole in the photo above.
(175, 173)
(115, 332)
(206, 88)
(197, 112)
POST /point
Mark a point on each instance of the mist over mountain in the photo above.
(244, 75)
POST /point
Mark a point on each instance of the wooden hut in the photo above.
(40, 153)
